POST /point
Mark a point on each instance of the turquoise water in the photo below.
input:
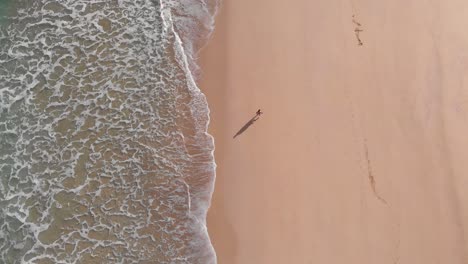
(104, 155)
(5, 7)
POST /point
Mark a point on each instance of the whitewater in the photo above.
(104, 150)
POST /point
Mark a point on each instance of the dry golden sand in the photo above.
(361, 155)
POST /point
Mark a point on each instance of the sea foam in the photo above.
(104, 151)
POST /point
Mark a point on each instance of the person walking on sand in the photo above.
(248, 124)
(257, 115)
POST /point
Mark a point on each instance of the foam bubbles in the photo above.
(104, 154)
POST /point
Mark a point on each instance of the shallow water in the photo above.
(104, 156)
(5, 5)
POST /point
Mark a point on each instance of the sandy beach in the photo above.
(360, 156)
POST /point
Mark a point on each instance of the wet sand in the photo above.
(360, 156)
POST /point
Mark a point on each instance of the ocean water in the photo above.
(104, 155)
(4, 8)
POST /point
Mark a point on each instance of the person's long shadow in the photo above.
(247, 125)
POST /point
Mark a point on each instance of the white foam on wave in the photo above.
(187, 53)
(51, 163)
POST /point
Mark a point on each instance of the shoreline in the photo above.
(358, 157)
(210, 56)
